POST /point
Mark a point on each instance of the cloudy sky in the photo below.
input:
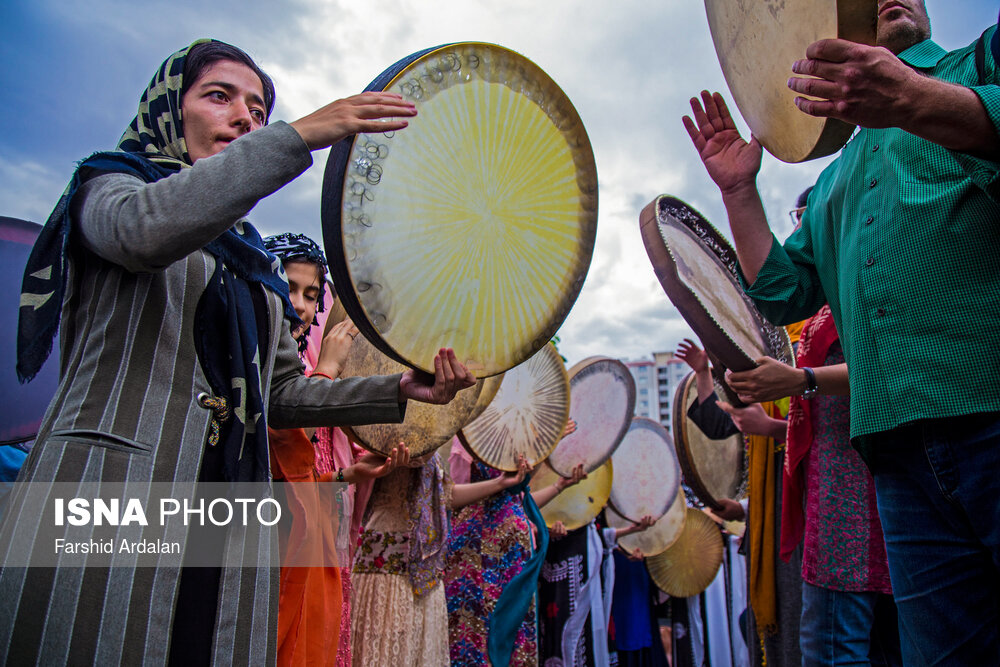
(72, 73)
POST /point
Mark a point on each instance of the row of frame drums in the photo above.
(633, 471)
(473, 228)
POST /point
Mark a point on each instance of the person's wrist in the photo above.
(742, 189)
(809, 378)
(298, 126)
(801, 381)
(331, 370)
(907, 106)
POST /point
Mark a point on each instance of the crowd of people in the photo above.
(894, 265)
(873, 525)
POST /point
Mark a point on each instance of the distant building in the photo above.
(669, 373)
(646, 398)
(656, 383)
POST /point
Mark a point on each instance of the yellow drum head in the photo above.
(691, 563)
(473, 228)
(579, 504)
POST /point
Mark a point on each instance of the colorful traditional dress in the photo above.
(488, 544)
(559, 596)
(844, 548)
(399, 617)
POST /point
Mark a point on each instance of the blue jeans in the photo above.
(938, 488)
(845, 628)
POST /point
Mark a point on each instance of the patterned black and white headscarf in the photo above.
(290, 247)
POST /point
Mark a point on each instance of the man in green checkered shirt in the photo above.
(902, 237)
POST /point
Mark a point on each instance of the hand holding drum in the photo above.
(757, 44)
(449, 378)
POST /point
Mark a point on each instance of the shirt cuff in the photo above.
(787, 287)
(984, 172)
(777, 278)
(773, 266)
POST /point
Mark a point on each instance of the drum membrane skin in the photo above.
(757, 42)
(474, 227)
(527, 416)
(697, 268)
(713, 469)
(602, 402)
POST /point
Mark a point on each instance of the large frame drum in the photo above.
(757, 42)
(647, 474)
(473, 228)
(697, 268)
(713, 469)
(690, 564)
(602, 402)
(527, 416)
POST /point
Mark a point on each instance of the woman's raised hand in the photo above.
(335, 347)
(694, 356)
(509, 479)
(367, 112)
(575, 477)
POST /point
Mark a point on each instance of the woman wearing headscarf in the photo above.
(313, 597)
(489, 544)
(176, 355)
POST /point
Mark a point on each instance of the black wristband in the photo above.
(812, 388)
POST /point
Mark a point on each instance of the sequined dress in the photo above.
(488, 544)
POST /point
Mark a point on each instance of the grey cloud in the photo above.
(628, 67)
